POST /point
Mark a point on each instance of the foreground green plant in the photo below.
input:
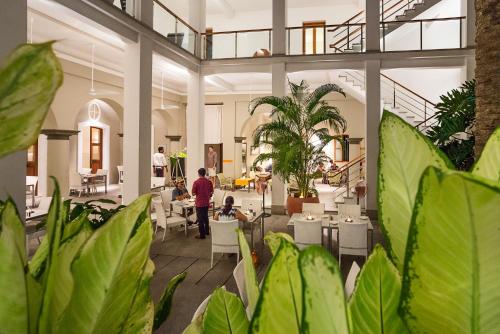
(442, 276)
(81, 279)
(298, 120)
(98, 215)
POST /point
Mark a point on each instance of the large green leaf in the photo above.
(273, 240)
(404, 154)
(324, 300)
(162, 310)
(107, 271)
(225, 313)
(13, 288)
(374, 304)
(279, 308)
(488, 165)
(451, 281)
(28, 83)
(251, 284)
(141, 316)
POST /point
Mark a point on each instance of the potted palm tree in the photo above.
(297, 135)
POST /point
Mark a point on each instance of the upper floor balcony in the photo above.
(405, 25)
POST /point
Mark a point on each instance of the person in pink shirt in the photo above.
(203, 190)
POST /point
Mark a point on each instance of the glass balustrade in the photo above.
(237, 44)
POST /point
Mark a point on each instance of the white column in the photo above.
(197, 19)
(279, 89)
(372, 13)
(373, 114)
(279, 27)
(13, 15)
(137, 119)
(195, 117)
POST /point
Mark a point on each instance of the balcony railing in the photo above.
(126, 6)
(425, 34)
(173, 27)
(237, 44)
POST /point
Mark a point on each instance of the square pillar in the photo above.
(279, 89)
(195, 120)
(372, 13)
(279, 27)
(137, 119)
(57, 159)
(373, 108)
(13, 19)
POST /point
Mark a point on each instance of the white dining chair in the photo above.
(44, 204)
(314, 208)
(239, 277)
(349, 210)
(224, 238)
(251, 204)
(165, 222)
(201, 308)
(351, 279)
(353, 239)
(307, 232)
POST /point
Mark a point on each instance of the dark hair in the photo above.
(202, 172)
(210, 146)
(160, 148)
(228, 205)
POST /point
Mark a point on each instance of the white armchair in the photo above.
(353, 239)
(351, 279)
(307, 232)
(224, 238)
(314, 208)
(163, 221)
(349, 210)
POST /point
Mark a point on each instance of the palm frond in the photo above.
(329, 114)
(319, 93)
(279, 103)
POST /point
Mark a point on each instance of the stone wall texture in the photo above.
(487, 70)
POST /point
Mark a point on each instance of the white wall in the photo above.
(430, 83)
(435, 35)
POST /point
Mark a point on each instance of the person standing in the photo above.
(212, 164)
(159, 163)
(203, 190)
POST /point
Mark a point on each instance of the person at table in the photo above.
(180, 192)
(159, 163)
(228, 212)
(203, 190)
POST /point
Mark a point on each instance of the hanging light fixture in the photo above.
(94, 110)
(92, 90)
(31, 28)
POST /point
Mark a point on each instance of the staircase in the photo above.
(412, 107)
(350, 35)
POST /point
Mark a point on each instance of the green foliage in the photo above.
(448, 279)
(298, 120)
(251, 285)
(98, 215)
(488, 164)
(165, 305)
(225, 314)
(455, 117)
(28, 83)
(81, 279)
(403, 156)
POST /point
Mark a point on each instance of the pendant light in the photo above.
(162, 106)
(31, 28)
(92, 90)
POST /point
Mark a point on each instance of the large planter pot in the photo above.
(294, 204)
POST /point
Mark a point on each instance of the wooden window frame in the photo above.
(311, 24)
(100, 145)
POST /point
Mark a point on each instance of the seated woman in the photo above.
(230, 213)
(180, 192)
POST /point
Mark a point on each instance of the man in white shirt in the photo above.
(159, 163)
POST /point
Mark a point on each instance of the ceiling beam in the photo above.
(219, 82)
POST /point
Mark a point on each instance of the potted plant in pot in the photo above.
(297, 135)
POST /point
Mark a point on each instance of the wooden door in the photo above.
(95, 149)
(313, 37)
(32, 160)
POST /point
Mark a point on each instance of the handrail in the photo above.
(235, 31)
(342, 169)
(401, 1)
(174, 15)
(426, 20)
(347, 21)
(411, 91)
(347, 37)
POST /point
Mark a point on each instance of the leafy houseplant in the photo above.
(442, 273)
(298, 120)
(81, 279)
(455, 117)
(98, 215)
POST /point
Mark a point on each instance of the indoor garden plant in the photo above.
(441, 272)
(82, 278)
(297, 121)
